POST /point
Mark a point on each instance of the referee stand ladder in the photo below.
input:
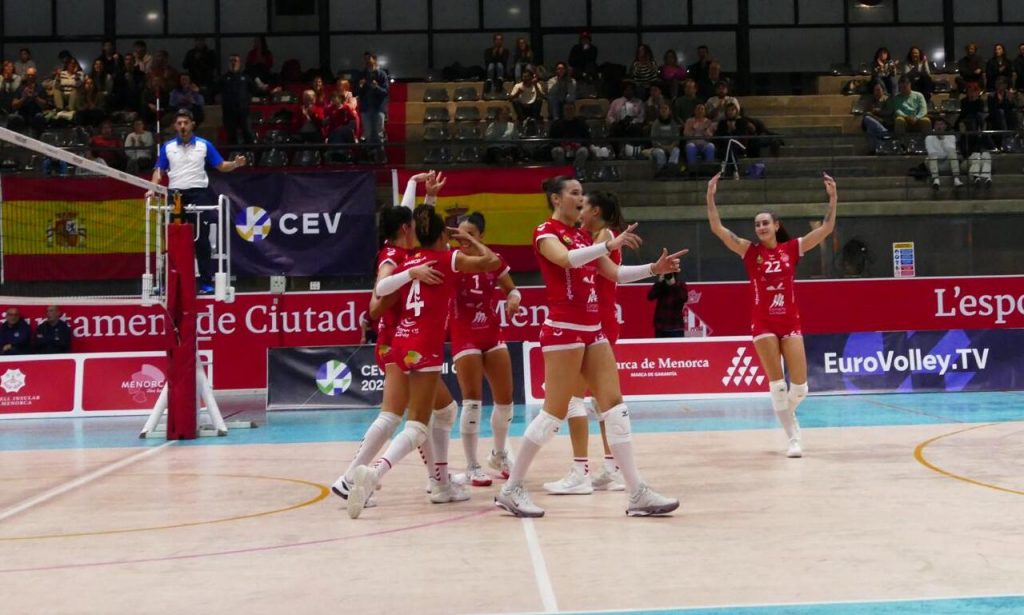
(186, 408)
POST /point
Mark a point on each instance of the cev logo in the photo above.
(333, 378)
(252, 224)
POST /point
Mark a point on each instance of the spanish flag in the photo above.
(511, 200)
(72, 229)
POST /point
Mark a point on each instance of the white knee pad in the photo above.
(444, 419)
(388, 422)
(502, 414)
(469, 422)
(577, 409)
(542, 429)
(416, 432)
(617, 425)
(777, 388)
(797, 393)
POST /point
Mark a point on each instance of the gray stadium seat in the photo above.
(436, 114)
(466, 94)
(467, 113)
(435, 95)
(468, 132)
(435, 132)
(438, 155)
(469, 155)
(274, 158)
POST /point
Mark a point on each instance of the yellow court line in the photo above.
(323, 492)
(919, 456)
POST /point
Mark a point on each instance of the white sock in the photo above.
(581, 465)
(609, 464)
(620, 440)
(780, 404)
(427, 452)
(539, 432)
(501, 419)
(414, 434)
(379, 431)
(469, 429)
(441, 424)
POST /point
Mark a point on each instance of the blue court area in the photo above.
(289, 427)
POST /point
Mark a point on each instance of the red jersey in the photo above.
(771, 273)
(606, 288)
(424, 307)
(572, 293)
(476, 299)
(394, 256)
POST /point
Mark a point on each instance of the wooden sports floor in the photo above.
(902, 504)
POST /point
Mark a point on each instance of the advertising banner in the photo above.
(301, 224)
(348, 377)
(29, 385)
(911, 361)
(122, 383)
(238, 334)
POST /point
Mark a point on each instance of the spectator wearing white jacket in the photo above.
(941, 147)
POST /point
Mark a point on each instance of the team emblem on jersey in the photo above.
(567, 240)
(778, 302)
(592, 298)
(784, 257)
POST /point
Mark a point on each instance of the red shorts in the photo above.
(417, 355)
(611, 328)
(778, 328)
(466, 341)
(383, 351)
(553, 337)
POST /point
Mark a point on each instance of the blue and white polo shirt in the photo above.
(185, 162)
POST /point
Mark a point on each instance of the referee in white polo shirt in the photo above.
(184, 159)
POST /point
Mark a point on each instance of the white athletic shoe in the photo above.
(513, 498)
(448, 492)
(609, 481)
(364, 483)
(476, 476)
(341, 487)
(645, 502)
(574, 483)
(795, 450)
(500, 462)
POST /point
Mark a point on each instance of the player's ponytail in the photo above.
(611, 211)
(391, 220)
(429, 225)
(555, 185)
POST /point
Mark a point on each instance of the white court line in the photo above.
(81, 480)
(540, 569)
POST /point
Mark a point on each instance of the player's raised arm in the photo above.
(828, 224)
(729, 238)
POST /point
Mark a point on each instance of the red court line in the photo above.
(171, 558)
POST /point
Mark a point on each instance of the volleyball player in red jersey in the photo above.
(418, 344)
(478, 350)
(601, 216)
(775, 320)
(397, 241)
(573, 343)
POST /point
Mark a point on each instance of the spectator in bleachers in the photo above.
(108, 147)
(698, 71)
(500, 133)
(670, 295)
(320, 91)
(15, 333)
(155, 100)
(92, 104)
(202, 64)
(53, 335)
(971, 67)
(309, 123)
(236, 92)
(24, 62)
(737, 127)
(655, 98)
(161, 68)
(573, 137)
(522, 58)
(373, 98)
(664, 134)
(349, 100)
(941, 147)
(877, 116)
(884, 69)
(101, 77)
(909, 110)
(496, 64)
(644, 70)
(920, 74)
(979, 145)
(998, 66)
(672, 74)
(109, 57)
(1002, 107)
(10, 83)
(625, 119)
(561, 89)
(188, 96)
(143, 59)
(527, 97)
(1018, 68)
(707, 88)
(31, 102)
(721, 98)
(138, 148)
(259, 61)
(583, 58)
(698, 131)
(129, 83)
(683, 105)
(66, 89)
(341, 120)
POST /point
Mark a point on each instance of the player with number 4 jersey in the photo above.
(775, 320)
